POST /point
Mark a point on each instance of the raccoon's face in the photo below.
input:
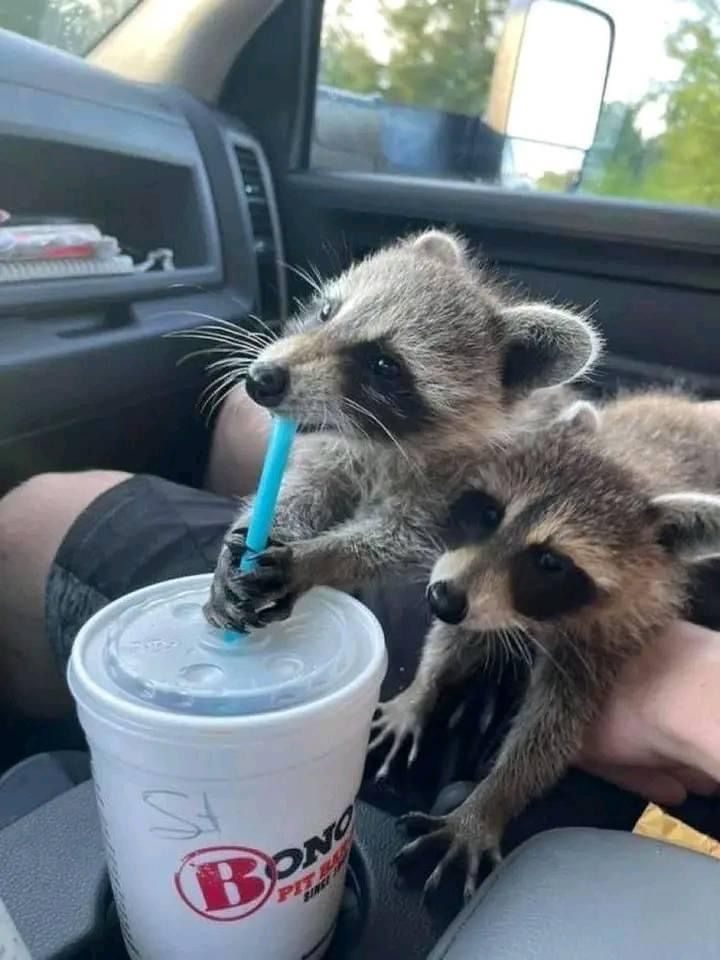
(411, 338)
(553, 533)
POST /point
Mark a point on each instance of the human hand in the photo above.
(659, 734)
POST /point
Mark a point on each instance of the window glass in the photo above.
(72, 25)
(622, 100)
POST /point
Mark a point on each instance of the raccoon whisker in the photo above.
(239, 333)
(314, 271)
(515, 653)
(222, 339)
(345, 428)
(243, 352)
(215, 386)
(233, 328)
(581, 655)
(545, 652)
(354, 405)
(231, 363)
(304, 275)
(214, 325)
(521, 642)
(246, 351)
(273, 334)
(220, 399)
(308, 275)
(240, 353)
(204, 352)
(216, 391)
(358, 426)
(506, 647)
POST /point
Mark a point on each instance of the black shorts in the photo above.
(146, 530)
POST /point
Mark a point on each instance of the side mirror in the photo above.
(550, 73)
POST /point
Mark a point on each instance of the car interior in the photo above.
(257, 139)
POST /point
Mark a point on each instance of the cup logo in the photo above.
(226, 883)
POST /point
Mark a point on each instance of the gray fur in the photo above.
(630, 494)
(359, 498)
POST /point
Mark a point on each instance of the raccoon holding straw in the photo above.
(400, 371)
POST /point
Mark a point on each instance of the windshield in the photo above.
(72, 25)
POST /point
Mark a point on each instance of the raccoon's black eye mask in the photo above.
(377, 379)
(545, 583)
(473, 517)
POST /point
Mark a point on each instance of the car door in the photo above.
(400, 117)
(88, 374)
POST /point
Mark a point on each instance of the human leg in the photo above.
(34, 520)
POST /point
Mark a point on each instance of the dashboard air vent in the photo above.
(256, 194)
(256, 184)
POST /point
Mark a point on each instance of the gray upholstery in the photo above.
(592, 895)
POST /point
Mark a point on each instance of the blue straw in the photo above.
(278, 452)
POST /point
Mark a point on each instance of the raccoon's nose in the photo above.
(267, 383)
(447, 602)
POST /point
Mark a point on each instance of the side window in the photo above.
(616, 98)
(72, 25)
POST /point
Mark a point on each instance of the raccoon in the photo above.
(575, 549)
(398, 370)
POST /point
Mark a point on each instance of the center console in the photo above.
(54, 883)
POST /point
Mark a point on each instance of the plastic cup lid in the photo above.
(160, 651)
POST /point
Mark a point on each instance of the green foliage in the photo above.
(618, 163)
(680, 166)
(73, 25)
(441, 54)
(346, 63)
(553, 182)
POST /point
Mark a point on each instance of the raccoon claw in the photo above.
(276, 611)
(227, 616)
(270, 578)
(236, 544)
(396, 721)
(463, 839)
(232, 606)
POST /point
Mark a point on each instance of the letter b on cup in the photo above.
(226, 883)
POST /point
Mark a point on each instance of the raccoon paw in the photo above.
(460, 838)
(226, 607)
(271, 581)
(396, 721)
(231, 605)
(236, 544)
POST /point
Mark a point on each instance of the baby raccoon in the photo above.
(575, 548)
(398, 371)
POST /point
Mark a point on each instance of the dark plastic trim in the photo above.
(234, 138)
(46, 95)
(614, 221)
(304, 117)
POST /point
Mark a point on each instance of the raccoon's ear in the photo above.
(547, 346)
(688, 523)
(440, 245)
(581, 415)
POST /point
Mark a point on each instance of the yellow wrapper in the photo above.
(658, 825)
